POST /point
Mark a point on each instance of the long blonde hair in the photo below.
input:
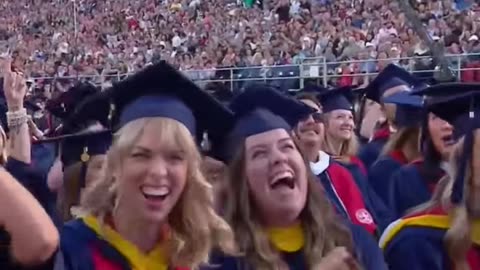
(457, 239)
(323, 230)
(348, 148)
(195, 227)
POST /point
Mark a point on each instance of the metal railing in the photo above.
(316, 69)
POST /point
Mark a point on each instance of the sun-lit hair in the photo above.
(457, 239)
(323, 230)
(348, 148)
(404, 137)
(3, 147)
(195, 227)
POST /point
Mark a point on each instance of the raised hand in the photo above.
(14, 86)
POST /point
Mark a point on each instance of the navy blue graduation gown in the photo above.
(34, 181)
(408, 189)
(367, 253)
(369, 152)
(381, 171)
(76, 242)
(417, 243)
(381, 213)
(43, 156)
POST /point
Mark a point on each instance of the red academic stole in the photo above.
(101, 262)
(382, 133)
(398, 156)
(351, 197)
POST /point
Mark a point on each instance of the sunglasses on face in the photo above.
(317, 117)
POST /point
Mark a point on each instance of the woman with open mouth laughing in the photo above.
(280, 216)
(152, 208)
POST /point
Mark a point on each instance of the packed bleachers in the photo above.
(102, 40)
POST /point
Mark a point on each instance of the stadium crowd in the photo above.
(91, 38)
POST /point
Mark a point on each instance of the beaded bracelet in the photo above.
(17, 118)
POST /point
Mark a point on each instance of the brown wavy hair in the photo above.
(195, 227)
(323, 230)
(408, 137)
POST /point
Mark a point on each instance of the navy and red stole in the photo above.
(419, 231)
(350, 196)
(375, 205)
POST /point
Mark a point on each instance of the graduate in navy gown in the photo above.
(391, 80)
(341, 144)
(413, 184)
(338, 182)
(280, 216)
(402, 147)
(151, 207)
(49, 164)
(82, 156)
(443, 233)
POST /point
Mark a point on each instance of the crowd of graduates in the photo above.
(156, 173)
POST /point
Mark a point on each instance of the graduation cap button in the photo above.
(85, 157)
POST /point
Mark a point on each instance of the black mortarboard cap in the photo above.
(336, 99)
(409, 110)
(461, 109)
(458, 108)
(64, 105)
(79, 147)
(158, 90)
(259, 109)
(389, 77)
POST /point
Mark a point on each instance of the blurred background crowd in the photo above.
(56, 42)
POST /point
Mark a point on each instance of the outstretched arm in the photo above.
(34, 237)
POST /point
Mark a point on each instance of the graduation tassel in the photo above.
(458, 188)
(110, 115)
